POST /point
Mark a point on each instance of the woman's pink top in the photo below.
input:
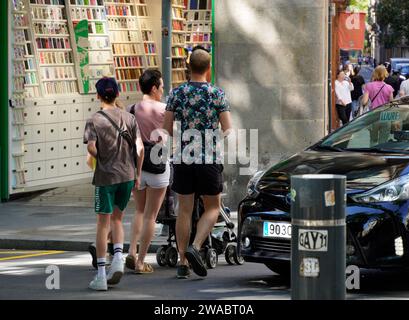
(150, 116)
(383, 97)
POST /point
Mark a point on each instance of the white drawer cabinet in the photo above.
(64, 131)
(38, 170)
(37, 134)
(77, 112)
(36, 152)
(51, 150)
(51, 132)
(34, 115)
(64, 114)
(64, 149)
(77, 129)
(77, 165)
(64, 167)
(51, 114)
(78, 148)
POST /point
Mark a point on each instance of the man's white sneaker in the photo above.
(116, 271)
(98, 284)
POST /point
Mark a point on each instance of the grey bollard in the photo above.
(318, 241)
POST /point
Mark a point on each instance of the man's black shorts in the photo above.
(202, 179)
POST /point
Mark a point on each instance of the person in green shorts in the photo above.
(115, 176)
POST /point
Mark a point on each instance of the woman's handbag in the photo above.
(148, 165)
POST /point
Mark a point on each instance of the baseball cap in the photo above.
(107, 88)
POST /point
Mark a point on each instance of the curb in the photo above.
(59, 245)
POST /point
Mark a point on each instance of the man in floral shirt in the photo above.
(198, 108)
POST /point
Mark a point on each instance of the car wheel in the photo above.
(171, 256)
(282, 270)
(161, 256)
(211, 258)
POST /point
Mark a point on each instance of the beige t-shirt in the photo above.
(115, 163)
(150, 116)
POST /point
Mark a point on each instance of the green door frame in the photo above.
(4, 109)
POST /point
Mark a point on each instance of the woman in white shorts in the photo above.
(149, 197)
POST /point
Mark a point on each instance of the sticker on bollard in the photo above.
(330, 198)
(310, 268)
(313, 240)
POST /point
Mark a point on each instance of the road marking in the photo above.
(45, 253)
(19, 252)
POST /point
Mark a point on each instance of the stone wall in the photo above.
(271, 59)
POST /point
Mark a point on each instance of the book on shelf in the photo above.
(53, 49)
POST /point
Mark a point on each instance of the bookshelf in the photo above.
(98, 47)
(126, 41)
(198, 16)
(146, 28)
(52, 47)
(24, 82)
(178, 43)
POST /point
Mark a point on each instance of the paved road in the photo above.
(23, 276)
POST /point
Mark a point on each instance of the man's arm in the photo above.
(402, 90)
(365, 99)
(226, 123)
(92, 148)
(168, 122)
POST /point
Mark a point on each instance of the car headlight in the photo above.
(252, 185)
(394, 190)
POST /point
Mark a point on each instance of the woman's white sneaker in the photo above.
(99, 284)
(116, 271)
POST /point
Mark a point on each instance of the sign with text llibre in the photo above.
(82, 44)
(352, 31)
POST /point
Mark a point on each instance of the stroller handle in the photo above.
(226, 217)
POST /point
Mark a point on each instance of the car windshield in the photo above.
(404, 69)
(386, 129)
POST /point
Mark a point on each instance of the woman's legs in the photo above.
(342, 114)
(154, 200)
(348, 110)
(140, 198)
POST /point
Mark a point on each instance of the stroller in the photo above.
(221, 240)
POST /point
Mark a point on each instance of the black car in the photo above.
(372, 151)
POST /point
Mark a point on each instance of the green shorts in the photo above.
(108, 197)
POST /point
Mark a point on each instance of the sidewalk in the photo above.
(59, 219)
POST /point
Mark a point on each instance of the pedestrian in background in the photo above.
(404, 88)
(149, 114)
(377, 91)
(393, 80)
(358, 81)
(200, 106)
(343, 88)
(115, 175)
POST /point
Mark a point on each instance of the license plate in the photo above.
(281, 230)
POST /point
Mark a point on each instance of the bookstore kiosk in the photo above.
(58, 49)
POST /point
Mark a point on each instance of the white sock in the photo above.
(101, 267)
(118, 248)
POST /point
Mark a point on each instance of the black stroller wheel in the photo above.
(230, 253)
(171, 257)
(161, 256)
(239, 260)
(211, 258)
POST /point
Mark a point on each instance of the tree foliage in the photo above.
(393, 19)
(359, 5)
